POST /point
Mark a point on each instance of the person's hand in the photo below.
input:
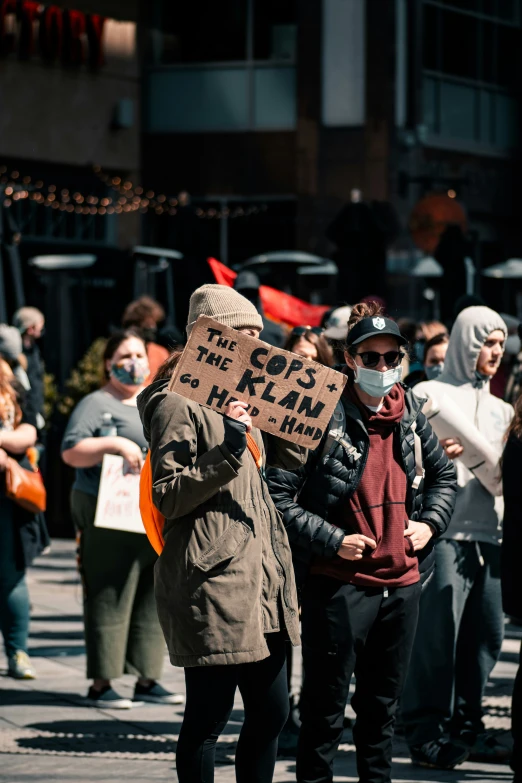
(130, 452)
(237, 410)
(419, 534)
(452, 447)
(353, 546)
(4, 456)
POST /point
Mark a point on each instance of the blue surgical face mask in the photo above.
(433, 372)
(131, 372)
(375, 383)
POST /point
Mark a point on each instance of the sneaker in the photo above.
(20, 666)
(156, 694)
(487, 749)
(107, 698)
(438, 754)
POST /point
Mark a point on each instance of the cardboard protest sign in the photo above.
(118, 506)
(289, 396)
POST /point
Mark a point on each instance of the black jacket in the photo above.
(512, 528)
(305, 497)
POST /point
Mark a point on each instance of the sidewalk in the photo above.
(46, 734)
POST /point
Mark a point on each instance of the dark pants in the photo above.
(210, 699)
(122, 630)
(14, 595)
(349, 629)
(461, 626)
(516, 723)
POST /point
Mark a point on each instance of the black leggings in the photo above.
(210, 699)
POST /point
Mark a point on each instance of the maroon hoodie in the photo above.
(377, 508)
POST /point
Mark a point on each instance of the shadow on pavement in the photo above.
(57, 635)
(57, 618)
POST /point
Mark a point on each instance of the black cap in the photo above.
(373, 327)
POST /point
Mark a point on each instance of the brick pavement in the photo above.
(48, 735)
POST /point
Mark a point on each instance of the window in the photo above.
(233, 31)
(471, 62)
(221, 67)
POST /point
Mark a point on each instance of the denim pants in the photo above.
(14, 595)
(458, 641)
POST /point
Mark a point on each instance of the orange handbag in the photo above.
(25, 487)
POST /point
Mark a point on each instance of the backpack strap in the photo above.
(254, 450)
(419, 465)
(336, 434)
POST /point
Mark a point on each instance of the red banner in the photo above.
(277, 305)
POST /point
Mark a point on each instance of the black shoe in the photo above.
(438, 754)
(156, 694)
(107, 698)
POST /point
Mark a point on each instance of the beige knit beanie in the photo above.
(225, 305)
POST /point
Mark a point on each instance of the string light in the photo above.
(131, 198)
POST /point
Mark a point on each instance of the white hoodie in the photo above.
(477, 515)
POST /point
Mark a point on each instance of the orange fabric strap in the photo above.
(254, 450)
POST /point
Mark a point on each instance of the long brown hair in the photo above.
(515, 428)
(324, 352)
(9, 406)
(165, 370)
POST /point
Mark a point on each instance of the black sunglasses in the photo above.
(372, 358)
(299, 331)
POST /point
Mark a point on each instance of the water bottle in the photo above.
(108, 427)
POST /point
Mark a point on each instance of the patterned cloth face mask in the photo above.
(131, 372)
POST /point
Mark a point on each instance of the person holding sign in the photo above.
(461, 623)
(225, 587)
(361, 517)
(122, 633)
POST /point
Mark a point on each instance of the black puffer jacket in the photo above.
(305, 497)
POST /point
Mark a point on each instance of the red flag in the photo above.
(223, 274)
(277, 305)
(289, 309)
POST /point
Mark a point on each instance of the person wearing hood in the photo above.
(225, 589)
(461, 621)
(247, 283)
(361, 517)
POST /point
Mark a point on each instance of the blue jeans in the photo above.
(14, 595)
(458, 641)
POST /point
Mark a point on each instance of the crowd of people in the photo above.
(390, 552)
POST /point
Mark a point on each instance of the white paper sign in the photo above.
(118, 506)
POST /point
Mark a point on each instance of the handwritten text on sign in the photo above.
(118, 506)
(288, 395)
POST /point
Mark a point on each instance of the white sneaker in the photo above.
(20, 666)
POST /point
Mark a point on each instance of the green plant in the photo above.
(51, 396)
(86, 377)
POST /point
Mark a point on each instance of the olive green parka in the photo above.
(225, 577)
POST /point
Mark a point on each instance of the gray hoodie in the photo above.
(478, 515)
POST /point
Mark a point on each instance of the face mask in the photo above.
(434, 371)
(375, 383)
(131, 372)
(418, 349)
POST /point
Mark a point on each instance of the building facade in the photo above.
(333, 119)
